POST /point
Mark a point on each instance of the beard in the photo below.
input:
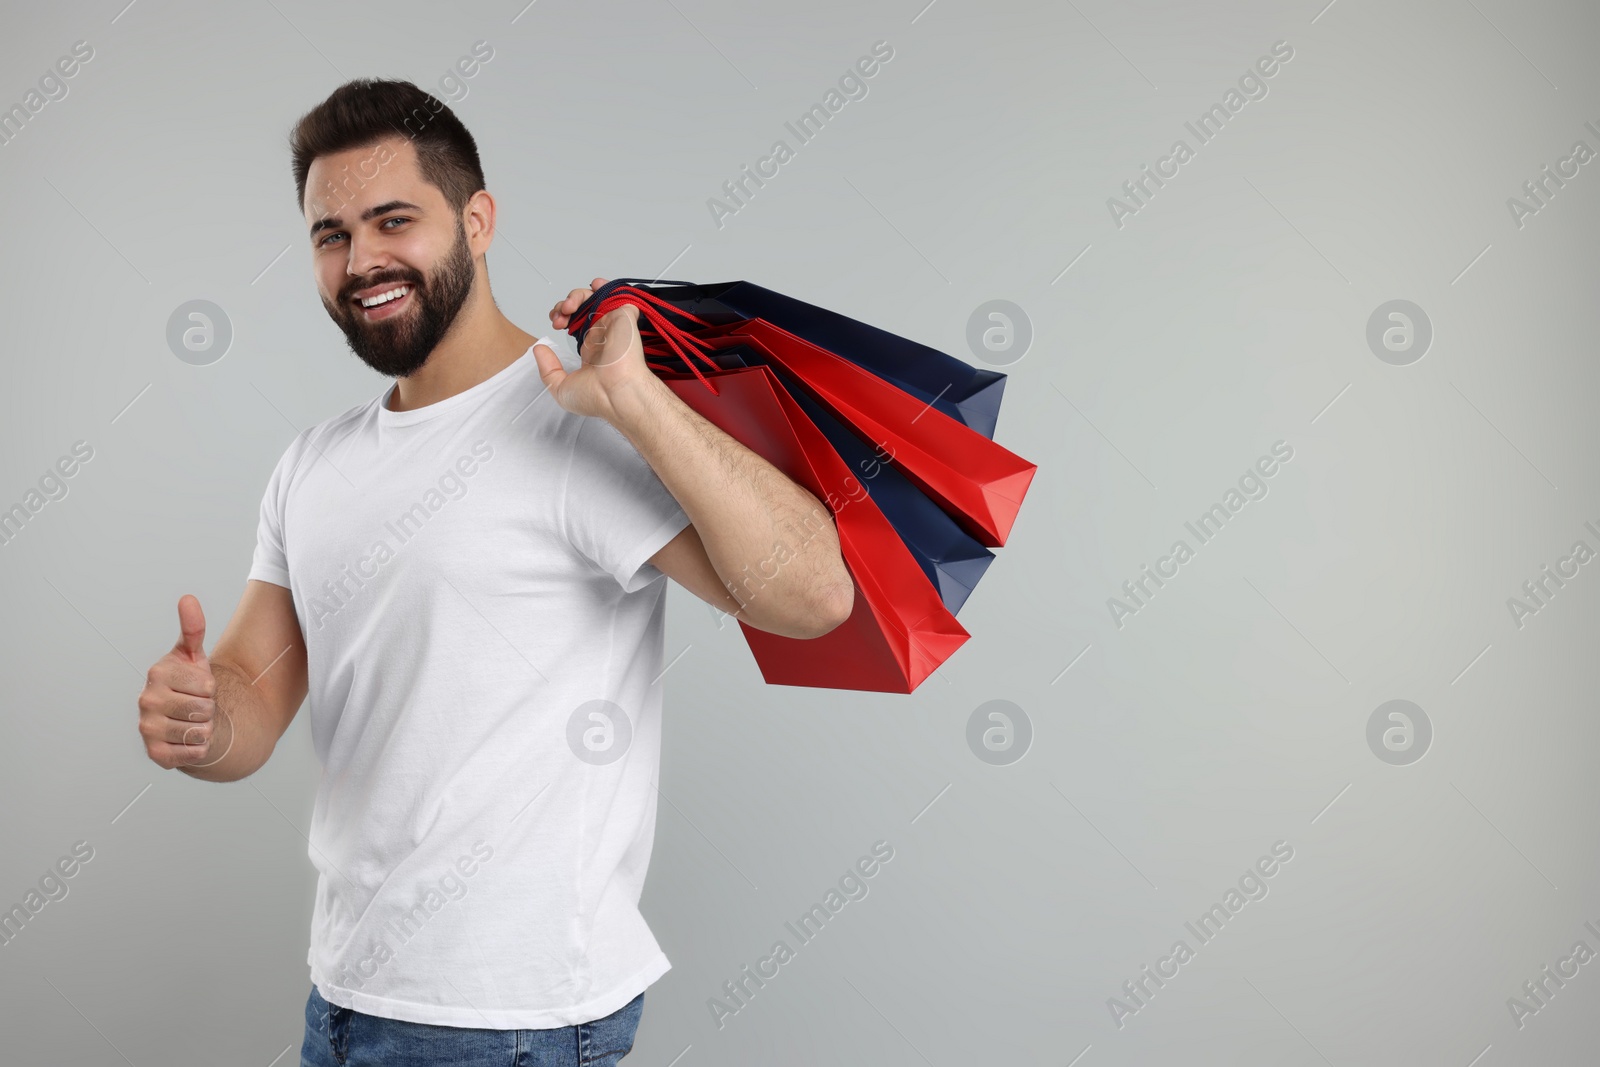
(398, 346)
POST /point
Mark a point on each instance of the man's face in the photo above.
(376, 225)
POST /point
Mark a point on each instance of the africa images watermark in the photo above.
(1541, 990)
(338, 592)
(52, 486)
(1542, 189)
(52, 887)
(409, 922)
(454, 84)
(1252, 886)
(52, 87)
(454, 80)
(1543, 587)
(814, 522)
(1252, 86)
(1252, 486)
(852, 86)
(744, 588)
(852, 886)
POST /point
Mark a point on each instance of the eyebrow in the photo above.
(334, 222)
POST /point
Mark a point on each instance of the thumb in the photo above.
(192, 622)
(551, 372)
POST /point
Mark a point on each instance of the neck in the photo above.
(480, 343)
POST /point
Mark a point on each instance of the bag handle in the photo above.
(603, 293)
(683, 344)
(651, 322)
(587, 312)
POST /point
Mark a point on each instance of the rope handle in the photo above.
(653, 320)
(634, 285)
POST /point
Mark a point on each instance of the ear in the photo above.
(478, 220)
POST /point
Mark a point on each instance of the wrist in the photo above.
(637, 402)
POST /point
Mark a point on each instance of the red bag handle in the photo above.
(683, 344)
(645, 300)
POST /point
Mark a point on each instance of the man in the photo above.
(466, 575)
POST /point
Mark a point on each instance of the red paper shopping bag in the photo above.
(899, 630)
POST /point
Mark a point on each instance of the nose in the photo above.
(367, 257)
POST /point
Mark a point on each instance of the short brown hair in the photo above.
(364, 111)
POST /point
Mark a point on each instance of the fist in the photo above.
(177, 707)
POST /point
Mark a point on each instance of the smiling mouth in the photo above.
(387, 303)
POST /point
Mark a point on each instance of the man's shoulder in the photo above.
(531, 400)
(320, 436)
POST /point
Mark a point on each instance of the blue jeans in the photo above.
(344, 1037)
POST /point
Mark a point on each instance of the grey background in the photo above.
(1228, 314)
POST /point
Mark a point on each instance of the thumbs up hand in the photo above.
(177, 707)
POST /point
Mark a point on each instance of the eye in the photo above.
(381, 225)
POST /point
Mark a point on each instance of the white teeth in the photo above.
(384, 298)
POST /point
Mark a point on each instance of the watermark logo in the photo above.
(599, 732)
(999, 333)
(1399, 732)
(1399, 332)
(199, 332)
(999, 732)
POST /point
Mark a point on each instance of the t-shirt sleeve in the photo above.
(271, 561)
(617, 511)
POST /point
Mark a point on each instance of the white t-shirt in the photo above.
(484, 636)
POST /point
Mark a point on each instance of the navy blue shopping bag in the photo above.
(964, 392)
(951, 558)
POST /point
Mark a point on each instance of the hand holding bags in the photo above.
(811, 412)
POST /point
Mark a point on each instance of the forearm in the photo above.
(760, 529)
(241, 742)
